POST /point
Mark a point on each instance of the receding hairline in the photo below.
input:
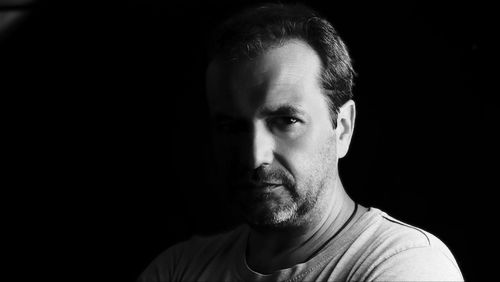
(254, 29)
(221, 62)
(269, 46)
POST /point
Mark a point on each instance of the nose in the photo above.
(263, 145)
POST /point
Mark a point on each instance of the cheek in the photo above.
(229, 158)
(310, 154)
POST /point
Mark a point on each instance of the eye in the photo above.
(289, 120)
(226, 127)
(284, 123)
(231, 126)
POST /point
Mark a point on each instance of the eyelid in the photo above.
(290, 117)
(233, 126)
(282, 121)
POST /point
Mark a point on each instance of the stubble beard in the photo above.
(294, 211)
(298, 209)
(260, 216)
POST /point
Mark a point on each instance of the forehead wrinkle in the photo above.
(283, 66)
(291, 66)
(281, 74)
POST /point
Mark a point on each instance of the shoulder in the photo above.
(185, 257)
(395, 250)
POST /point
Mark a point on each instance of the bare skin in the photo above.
(276, 121)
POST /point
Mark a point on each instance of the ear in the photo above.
(345, 127)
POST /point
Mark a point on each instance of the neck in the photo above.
(271, 250)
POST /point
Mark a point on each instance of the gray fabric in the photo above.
(375, 247)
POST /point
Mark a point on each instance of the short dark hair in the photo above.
(255, 30)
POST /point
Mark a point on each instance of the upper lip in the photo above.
(264, 184)
(251, 184)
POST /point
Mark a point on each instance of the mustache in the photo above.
(269, 176)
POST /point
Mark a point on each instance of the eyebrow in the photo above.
(222, 117)
(281, 110)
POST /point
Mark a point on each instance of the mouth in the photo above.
(265, 187)
(258, 186)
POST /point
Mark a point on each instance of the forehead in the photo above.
(288, 74)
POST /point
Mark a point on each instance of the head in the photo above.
(279, 90)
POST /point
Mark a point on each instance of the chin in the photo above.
(280, 218)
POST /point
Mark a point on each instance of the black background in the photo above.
(107, 126)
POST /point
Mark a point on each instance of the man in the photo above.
(279, 90)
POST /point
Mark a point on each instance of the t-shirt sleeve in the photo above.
(162, 267)
(417, 264)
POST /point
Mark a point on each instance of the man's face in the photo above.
(274, 141)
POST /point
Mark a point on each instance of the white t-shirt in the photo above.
(374, 247)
